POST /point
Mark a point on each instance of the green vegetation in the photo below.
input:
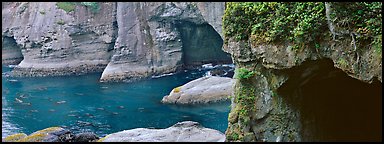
(265, 22)
(303, 24)
(66, 6)
(70, 6)
(342, 62)
(363, 19)
(233, 136)
(243, 73)
(93, 5)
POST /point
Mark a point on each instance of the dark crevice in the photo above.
(332, 105)
(201, 44)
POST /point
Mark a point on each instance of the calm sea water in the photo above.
(82, 104)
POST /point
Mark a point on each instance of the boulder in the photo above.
(187, 131)
(85, 137)
(52, 134)
(202, 90)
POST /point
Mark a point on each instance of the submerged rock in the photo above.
(187, 131)
(85, 137)
(202, 90)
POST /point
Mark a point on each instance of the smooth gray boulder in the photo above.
(202, 90)
(187, 131)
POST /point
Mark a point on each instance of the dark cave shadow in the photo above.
(332, 105)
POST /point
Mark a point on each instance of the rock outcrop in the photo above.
(52, 134)
(187, 131)
(56, 42)
(126, 41)
(158, 38)
(202, 90)
(259, 112)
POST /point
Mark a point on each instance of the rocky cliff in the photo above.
(294, 46)
(124, 40)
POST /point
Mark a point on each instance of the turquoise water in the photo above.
(82, 104)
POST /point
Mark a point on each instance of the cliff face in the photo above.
(267, 61)
(161, 39)
(124, 40)
(56, 42)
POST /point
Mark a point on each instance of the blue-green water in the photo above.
(81, 103)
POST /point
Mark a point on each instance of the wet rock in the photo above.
(85, 137)
(203, 90)
(187, 131)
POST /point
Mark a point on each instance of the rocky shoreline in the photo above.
(186, 131)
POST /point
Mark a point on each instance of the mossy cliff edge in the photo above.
(267, 38)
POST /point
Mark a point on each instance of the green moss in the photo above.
(268, 22)
(245, 100)
(66, 6)
(364, 19)
(303, 24)
(233, 115)
(15, 137)
(242, 73)
(342, 62)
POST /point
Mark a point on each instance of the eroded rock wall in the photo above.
(56, 42)
(156, 38)
(126, 41)
(258, 112)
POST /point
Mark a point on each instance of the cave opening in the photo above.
(10, 52)
(332, 105)
(201, 45)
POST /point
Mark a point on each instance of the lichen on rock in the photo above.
(14, 137)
